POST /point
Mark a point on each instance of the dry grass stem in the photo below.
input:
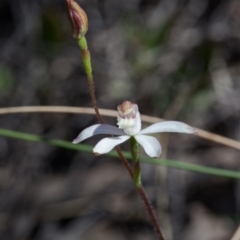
(112, 113)
(236, 235)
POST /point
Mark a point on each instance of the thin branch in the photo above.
(150, 211)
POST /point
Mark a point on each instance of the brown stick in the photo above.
(150, 211)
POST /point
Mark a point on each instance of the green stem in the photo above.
(135, 156)
(137, 180)
(137, 174)
(86, 58)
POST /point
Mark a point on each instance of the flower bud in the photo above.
(129, 118)
(78, 19)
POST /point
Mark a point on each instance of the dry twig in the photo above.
(112, 113)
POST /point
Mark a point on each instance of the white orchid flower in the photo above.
(129, 123)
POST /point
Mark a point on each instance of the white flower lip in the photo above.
(150, 144)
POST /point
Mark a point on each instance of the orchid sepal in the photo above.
(168, 126)
(98, 129)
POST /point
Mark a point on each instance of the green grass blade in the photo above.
(88, 148)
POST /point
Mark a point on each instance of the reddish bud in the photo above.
(78, 19)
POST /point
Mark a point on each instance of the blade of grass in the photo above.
(88, 148)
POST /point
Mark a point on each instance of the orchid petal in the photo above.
(150, 144)
(98, 129)
(168, 126)
(107, 144)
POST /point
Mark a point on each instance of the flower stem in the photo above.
(137, 180)
(150, 211)
(136, 173)
(135, 156)
(86, 58)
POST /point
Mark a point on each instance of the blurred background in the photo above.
(178, 59)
